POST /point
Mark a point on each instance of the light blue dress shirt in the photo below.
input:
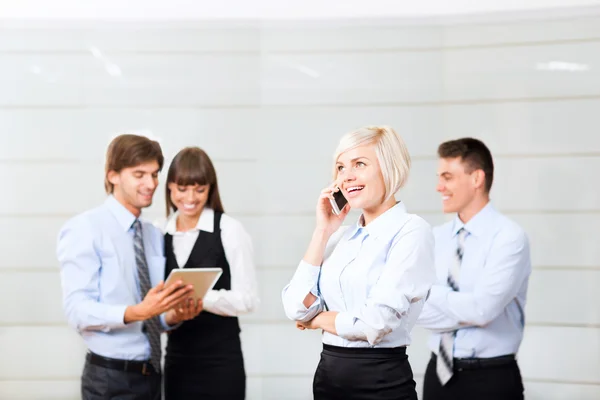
(99, 278)
(488, 309)
(376, 277)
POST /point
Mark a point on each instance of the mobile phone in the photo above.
(338, 202)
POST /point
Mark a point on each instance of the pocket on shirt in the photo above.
(156, 267)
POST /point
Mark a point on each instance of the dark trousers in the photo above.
(500, 382)
(101, 383)
(364, 374)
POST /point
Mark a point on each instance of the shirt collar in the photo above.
(478, 224)
(205, 222)
(354, 230)
(123, 216)
(382, 226)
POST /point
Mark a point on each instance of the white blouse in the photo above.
(376, 277)
(243, 296)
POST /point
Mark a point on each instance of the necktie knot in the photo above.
(462, 234)
(137, 225)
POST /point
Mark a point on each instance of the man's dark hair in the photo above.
(473, 153)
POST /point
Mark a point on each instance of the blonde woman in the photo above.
(364, 285)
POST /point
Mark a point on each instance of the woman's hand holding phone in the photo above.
(327, 219)
(327, 224)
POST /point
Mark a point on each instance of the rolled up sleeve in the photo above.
(304, 281)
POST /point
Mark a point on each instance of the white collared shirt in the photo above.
(243, 296)
(376, 278)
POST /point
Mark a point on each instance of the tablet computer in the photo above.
(203, 279)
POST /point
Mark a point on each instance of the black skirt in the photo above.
(364, 374)
(215, 373)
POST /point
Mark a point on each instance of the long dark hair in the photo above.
(192, 166)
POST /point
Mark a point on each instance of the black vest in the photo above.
(207, 331)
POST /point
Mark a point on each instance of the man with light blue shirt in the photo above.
(476, 309)
(111, 269)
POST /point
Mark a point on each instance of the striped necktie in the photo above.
(152, 326)
(445, 362)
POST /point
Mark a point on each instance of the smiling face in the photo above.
(189, 200)
(360, 178)
(192, 184)
(134, 186)
(456, 184)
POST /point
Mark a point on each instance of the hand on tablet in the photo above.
(184, 311)
(158, 300)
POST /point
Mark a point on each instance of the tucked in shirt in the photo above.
(488, 309)
(376, 277)
(99, 278)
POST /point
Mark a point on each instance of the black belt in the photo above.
(480, 363)
(365, 350)
(141, 367)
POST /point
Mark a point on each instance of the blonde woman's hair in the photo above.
(392, 154)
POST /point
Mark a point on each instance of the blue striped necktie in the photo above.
(152, 326)
(445, 360)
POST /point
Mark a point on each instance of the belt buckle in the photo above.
(145, 370)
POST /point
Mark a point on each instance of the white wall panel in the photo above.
(29, 242)
(577, 360)
(352, 78)
(562, 240)
(279, 387)
(521, 72)
(514, 33)
(35, 298)
(69, 389)
(559, 297)
(130, 37)
(343, 36)
(527, 128)
(182, 80)
(560, 391)
(33, 79)
(58, 353)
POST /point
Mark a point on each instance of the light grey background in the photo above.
(268, 102)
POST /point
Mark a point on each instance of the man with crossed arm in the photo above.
(475, 311)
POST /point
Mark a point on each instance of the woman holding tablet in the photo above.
(204, 355)
(365, 284)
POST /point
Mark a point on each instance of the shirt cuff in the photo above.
(307, 276)
(167, 327)
(116, 317)
(345, 326)
(209, 300)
